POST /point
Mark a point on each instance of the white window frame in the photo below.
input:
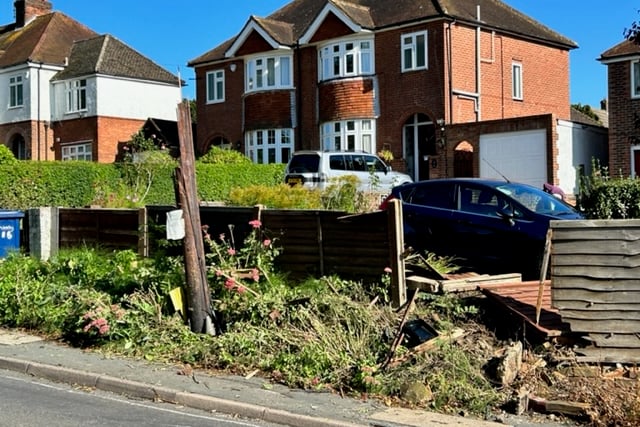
(411, 60)
(269, 72)
(516, 81)
(269, 145)
(78, 151)
(349, 135)
(215, 86)
(346, 58)
(635, 78)
(76, 96)
(16, 91)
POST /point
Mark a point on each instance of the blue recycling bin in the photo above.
(9, 231)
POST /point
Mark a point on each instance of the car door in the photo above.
(490, 230)
(427, 213)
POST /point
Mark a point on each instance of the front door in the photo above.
(419, 145)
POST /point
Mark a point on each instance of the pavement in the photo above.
(247, 397)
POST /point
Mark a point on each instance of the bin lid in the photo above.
(11, 214)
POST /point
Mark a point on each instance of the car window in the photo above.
(434, 194)
(536, 200)
(482, 201)
(375, 164)
(359, 164)
(336, 162)
(302, 163)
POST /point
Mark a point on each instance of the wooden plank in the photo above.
(608, 355)
(597, 272)
(595, 284)
(603, 315)
(617, 232)
(615, 340)
(604, 260)
(589, 306)
(602, 325)
(595, 247)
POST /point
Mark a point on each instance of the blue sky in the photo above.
(171, 33)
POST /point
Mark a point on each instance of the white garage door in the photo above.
(519, 156)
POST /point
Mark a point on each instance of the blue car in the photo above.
(489, 226)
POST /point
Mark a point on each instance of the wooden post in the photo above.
(199, 311)
(396, 248)
(543, 273)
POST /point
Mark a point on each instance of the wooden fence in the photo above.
(595, 277)
(313, 243)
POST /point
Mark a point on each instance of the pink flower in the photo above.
(231, 251)
(255, 223)
(266, 242)
(219, 273)
(221, 237)
(241, 289)
(388, 270)
(230, 284)
(255, 275)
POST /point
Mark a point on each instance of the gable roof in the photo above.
(47, 39)
(620, 51)
(299, 16)
(107, 55)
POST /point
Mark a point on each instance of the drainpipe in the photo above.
(450, 69)
(478, 73)
(38, 118)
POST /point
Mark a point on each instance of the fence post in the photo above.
(396, 248)
(143, 233)
(44, 232)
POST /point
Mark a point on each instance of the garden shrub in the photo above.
(6, 156)
(222, 156)
(605, 197)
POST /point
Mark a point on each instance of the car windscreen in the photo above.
(536, 200)
(301, 163)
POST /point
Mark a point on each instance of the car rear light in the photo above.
(385, 202)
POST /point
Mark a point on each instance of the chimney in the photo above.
(26, 10)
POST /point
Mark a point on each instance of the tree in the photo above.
(633, 33)
(586, 109)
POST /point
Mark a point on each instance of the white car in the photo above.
(318, 169)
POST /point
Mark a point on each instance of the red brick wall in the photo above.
(38, 138)
(268, 110)
(108, 131)
(623, 113)
(220, 120)
(306, 81)
(253, 44)
(346, 99)
(545, 76)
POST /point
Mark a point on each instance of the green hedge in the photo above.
(29, 184)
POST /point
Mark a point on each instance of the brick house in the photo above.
(623, 75)
(72, 94)
(420, 78)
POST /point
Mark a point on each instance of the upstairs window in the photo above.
(15, 91)
(269, 72)
(635, 79)
(349, 135)
(76, 96)
(215, 86)
(346, 59)
(414, 51)
(516, 72)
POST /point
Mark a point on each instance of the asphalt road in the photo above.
(25, 401)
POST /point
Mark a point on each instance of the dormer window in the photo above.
(76, 96)
(269, 72)
(346, 59)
